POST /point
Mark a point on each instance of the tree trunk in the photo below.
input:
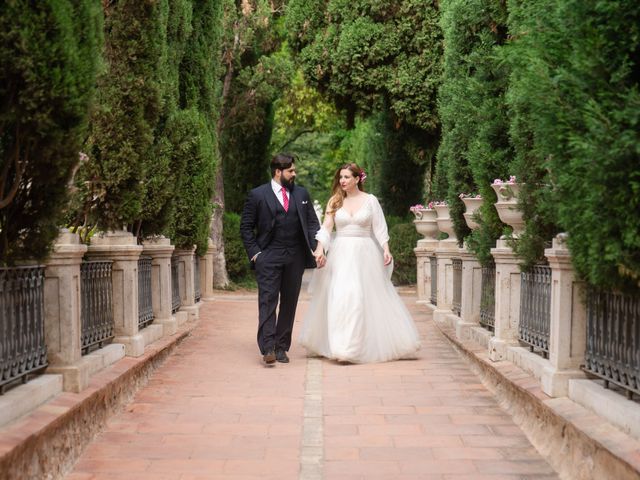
(220, 276)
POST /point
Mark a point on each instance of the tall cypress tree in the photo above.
(575, 105)
(122, 146)
(49, 52)
(475, 146)
(196, 133)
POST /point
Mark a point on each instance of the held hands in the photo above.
(320, 257)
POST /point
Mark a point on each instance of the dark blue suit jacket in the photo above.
(259, 216)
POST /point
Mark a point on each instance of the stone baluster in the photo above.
(206, 272)
(507, 301)
(121, 247)
(160, 250)
(568, 323)
(187, 284)
(63, 322)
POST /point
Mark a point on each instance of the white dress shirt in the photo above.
(277, 189)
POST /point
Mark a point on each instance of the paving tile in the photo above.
(213, 411)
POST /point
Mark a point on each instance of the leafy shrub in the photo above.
(234, 253)
(475, 145)
(50, 54)
(402, 240)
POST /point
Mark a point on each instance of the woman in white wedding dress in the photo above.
(355, 314)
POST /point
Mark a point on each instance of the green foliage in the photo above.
(49, 52)
(403, 239)
(475, 146)
(234, 253)
(366, 53)
(162, 179)
(197, 143)
(576, 106)
(122, 144)
(258, 70)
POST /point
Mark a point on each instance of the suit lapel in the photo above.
(303, 221)
(271, 199)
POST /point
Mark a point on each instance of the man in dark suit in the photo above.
(278, 229)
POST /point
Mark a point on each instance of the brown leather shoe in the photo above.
(281, 356)
(269, 357)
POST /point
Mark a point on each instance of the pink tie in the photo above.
(285, 199)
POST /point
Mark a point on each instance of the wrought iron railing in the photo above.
(96, 311)
(176, 302)
(197, 291)
(145, 305)
(22, 346)
(488, 297)
(433, 262)
(534, 326)
(456, 301)
(613, 339)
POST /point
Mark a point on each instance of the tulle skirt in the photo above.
(355, 314)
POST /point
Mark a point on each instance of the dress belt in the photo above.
(352, 233)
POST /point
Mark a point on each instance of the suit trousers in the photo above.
(279, 276)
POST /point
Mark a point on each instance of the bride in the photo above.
(355, 313)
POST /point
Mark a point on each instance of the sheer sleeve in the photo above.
(379, 224)
(324, 237)
(324, 234)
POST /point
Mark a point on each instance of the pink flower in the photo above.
(363, 176)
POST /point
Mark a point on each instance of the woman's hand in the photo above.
(319, 255)
(387, 257)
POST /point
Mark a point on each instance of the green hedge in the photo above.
(575, 107)
(234, 253)
(402, 241)
(475, 145)
(50, 53)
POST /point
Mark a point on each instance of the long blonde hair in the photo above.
(337, 194)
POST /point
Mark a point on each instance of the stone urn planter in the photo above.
(507, 206)
(445, 224)
(426, 223)
(471, 204)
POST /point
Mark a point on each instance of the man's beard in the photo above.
(288, 184)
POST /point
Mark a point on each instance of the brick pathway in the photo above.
(214, 411)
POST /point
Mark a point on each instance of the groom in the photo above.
(278, 229)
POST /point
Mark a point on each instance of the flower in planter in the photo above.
(437, 203)
(512, 180)
(469, 195)
(415, 208)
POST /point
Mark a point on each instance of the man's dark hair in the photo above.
(281, 161)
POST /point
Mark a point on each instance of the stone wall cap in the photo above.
(118, 237)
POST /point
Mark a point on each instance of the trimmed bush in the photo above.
(49, 52)
(475, 145)
(234, 253)
(403, 239)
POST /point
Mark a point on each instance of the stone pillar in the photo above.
(471, 290)
(424, 250)
(568, 323)
(187, 285)
(447, 249)
(206, 272)
(62, 304)
(122, 247)
(160, 251)
(507, 301)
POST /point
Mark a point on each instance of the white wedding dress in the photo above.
(355, 314)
